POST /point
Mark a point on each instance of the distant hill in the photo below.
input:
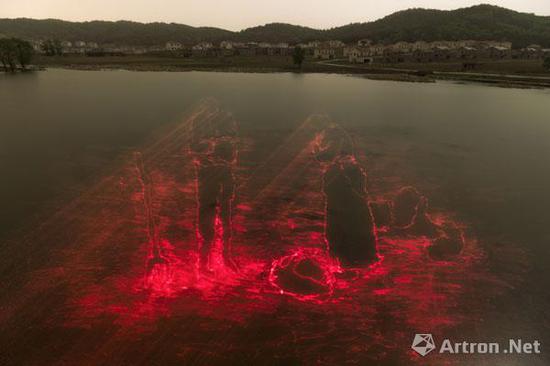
(280, 32)
(121, 32)
(481, 22)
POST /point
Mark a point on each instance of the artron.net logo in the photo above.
(423, 344)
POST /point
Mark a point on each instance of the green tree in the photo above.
(52, 47)
(58, 48)
(8, 53)
(3, 53)
(47, 47)
(546, 63)
(24, 52)
(298, 56)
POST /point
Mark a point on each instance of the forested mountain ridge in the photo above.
(481, 22)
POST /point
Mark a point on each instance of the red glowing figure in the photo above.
(410, 217)
(156, 260)
(214, 149)
(349, 223)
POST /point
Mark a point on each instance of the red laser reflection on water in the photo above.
(349, 233)
(306, 274)
(214, 146)
(213, 151)
(230, 240)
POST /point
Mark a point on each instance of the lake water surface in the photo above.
(78, 286)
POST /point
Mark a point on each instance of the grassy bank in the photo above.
(506, 73)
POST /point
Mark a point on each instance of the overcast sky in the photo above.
(239, 14)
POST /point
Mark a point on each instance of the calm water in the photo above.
(481, 155)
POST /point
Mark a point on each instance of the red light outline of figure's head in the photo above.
(333, 144)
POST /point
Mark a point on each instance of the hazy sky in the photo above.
(239, 14)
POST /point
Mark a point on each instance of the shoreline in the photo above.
(424, 73)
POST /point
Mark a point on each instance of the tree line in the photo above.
(482, 22)
(13, 52)
(52, 47)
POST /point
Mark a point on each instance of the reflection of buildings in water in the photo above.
(349, 223)
(214, 149)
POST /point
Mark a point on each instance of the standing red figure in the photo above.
(214, 148)
(349, 224)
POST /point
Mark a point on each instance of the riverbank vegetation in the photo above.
(509, 73)
(15, 54)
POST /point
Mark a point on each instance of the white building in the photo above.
(313, 44)
(335, 44)
(173, 46)
(226, 45)
(421, 46)
(37, 46)
(359, 55)
(376, 50)
(203, 46)
(402, 47)
(324, 53)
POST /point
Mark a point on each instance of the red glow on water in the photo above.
(188, 230)
(309, 274)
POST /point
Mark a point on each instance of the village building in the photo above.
(324, 53)
(281, 49)
(335, 44)
(227, 48)
(226, 45)
(531, 52)
(468, 53)
(376, 50)
(420, 46)
(66, 46)
(329, 50)
(499, 52)
(173, 46)
(37, 46)
(402, 47)
(359, 55)
(346, 51)
(246, 50)
(438, 51)
(203, 49)
(314, 44)
(308, 48)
